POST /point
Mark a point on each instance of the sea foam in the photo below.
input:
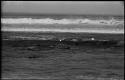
(61, 21)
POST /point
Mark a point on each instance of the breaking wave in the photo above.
(61, 21)
(62, 30)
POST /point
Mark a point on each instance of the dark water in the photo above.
(59, 16)
(61, 36)
(62, 56)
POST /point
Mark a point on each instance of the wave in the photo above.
(61, 21)
(64, 30)
(80, 41)
(50, 37)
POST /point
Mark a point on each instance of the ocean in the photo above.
(63, 47)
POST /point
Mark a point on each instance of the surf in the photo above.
(61, 21)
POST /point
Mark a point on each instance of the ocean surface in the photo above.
(62, 47)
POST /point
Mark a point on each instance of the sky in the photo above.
(64, 7)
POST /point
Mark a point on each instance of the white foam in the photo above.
(61, 21)
(62, 30)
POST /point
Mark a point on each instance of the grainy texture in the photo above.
(54, 60)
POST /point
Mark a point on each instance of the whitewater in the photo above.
(63, 25)
(61, 21)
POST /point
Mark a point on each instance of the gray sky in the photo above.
(64, 7)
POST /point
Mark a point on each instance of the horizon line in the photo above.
(67, 14)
